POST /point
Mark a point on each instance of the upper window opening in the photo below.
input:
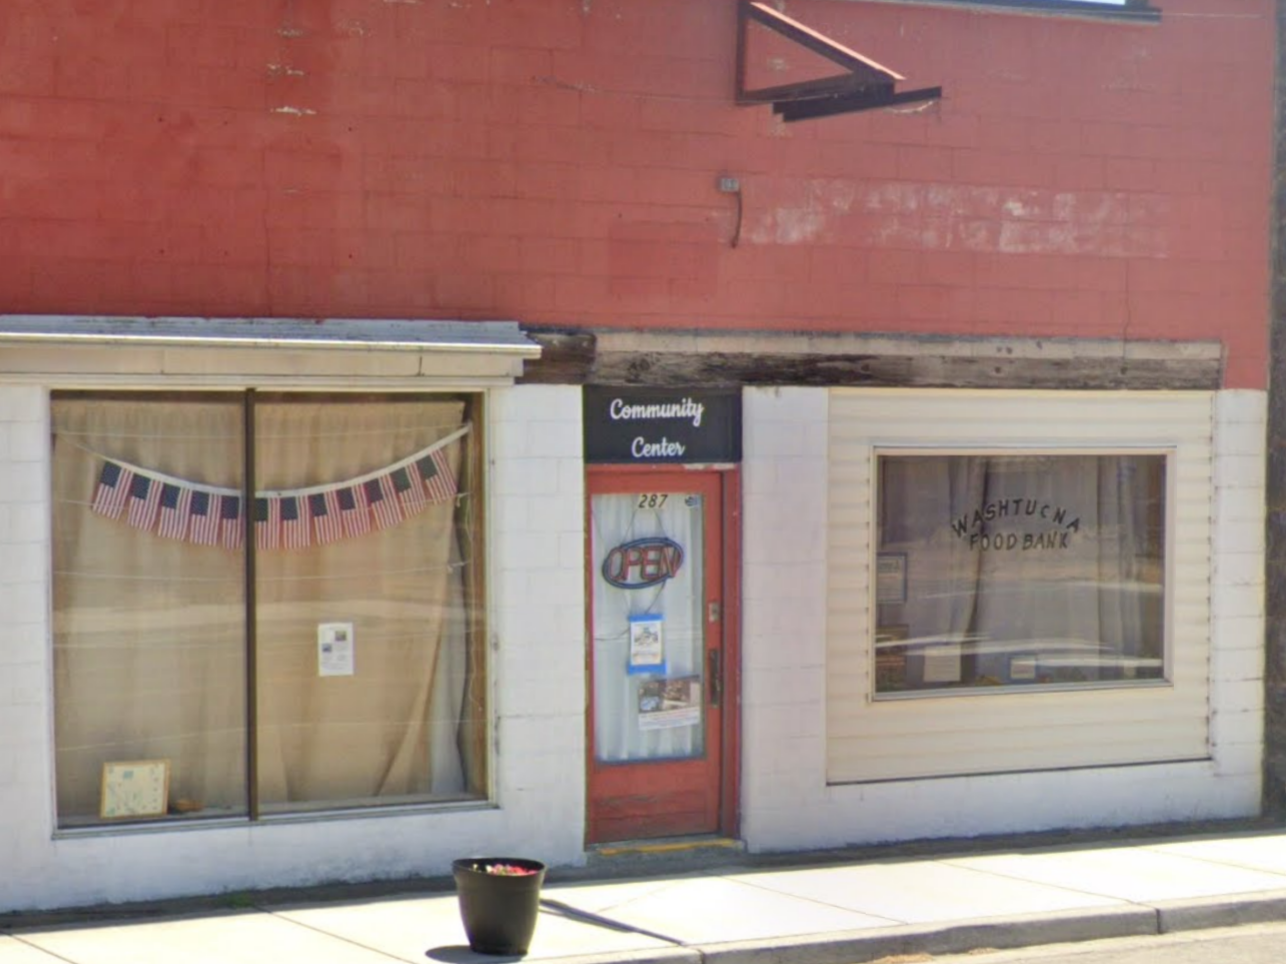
(1123, 9)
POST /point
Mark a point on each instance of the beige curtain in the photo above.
(149, 632)
(341, 739)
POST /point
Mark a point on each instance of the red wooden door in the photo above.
(656, 619)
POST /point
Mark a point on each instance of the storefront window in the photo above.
(346, 672)
(1019, 570)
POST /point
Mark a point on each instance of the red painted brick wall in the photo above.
(554, 161)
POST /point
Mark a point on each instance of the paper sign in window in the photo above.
(647, 644)
(335, 649)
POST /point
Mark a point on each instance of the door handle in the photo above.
(714, 676)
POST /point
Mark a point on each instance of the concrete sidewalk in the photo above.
(823, 912)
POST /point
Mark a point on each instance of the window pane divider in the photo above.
(251, 609)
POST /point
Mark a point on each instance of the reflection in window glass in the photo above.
(1019, 570)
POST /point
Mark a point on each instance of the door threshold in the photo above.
(667, 846)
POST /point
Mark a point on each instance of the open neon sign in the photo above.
(643, 562)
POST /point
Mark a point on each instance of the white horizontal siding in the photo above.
(1007, 731)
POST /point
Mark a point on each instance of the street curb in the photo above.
(855, 947)
(1202, 913)
(655, 955)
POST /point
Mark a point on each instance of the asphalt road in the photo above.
(1249, 944)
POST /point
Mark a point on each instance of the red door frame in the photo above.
(729, 487)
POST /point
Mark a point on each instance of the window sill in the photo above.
(1045, 8)
(973, 692)
(207, 821)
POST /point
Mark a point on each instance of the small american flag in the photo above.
(204, 527)
(437, 477)
(294, 525)
(324, 509)
(409, 494)
(353, 512)
(113, 488)
(175, 505)
(383, 502)
(144, 500)
(267, 524)
(232, 530)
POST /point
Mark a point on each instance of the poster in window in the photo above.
(135, 788)
(669, 703)
(335, 649)
(647, 644)
(890, 577)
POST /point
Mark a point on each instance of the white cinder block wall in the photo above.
(537, 655)
(786, 803)
(1237, 631)
(26, 764)
(783, 617)
(537, 594)
(538, 558)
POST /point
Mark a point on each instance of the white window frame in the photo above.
(999, 730)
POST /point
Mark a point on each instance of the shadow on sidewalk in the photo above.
(597, 920)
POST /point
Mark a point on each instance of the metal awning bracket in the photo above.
(864, 84)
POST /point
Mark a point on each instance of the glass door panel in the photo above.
(648, 625)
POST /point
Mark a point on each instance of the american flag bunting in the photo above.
(409, 494)
(267, 524)
(323, 507)
(143, 503)
(204, 525)
(383, 502)
(232, 528)
(176, 505)
(353, 511)
(113, 489)
(437, 477)
(295, 519)
(294, 524)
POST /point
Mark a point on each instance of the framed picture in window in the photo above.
(890, 577)
(135, 788)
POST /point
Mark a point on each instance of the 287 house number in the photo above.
(652, 500)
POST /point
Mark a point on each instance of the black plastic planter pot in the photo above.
(498, 909)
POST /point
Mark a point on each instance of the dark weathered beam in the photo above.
(579, 358)
(907, 371)
(566, 357)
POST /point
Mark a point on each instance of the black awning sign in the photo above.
(634, 425)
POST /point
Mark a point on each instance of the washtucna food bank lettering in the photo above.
(973, 527)
(1024, 541)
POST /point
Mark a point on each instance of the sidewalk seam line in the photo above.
(331, 934)
(820, 903)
